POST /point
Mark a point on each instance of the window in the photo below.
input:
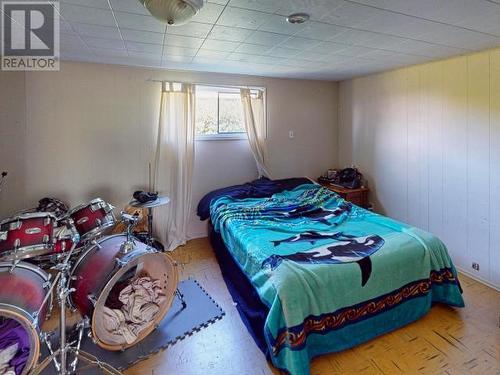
(219, 113)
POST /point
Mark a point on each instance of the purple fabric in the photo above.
(12, 332)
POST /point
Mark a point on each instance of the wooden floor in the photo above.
(446, 341)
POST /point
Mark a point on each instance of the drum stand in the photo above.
(59, 357)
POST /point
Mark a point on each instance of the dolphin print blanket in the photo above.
(333, 275)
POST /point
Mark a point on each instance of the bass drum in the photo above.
(126, 294)
(23, 290)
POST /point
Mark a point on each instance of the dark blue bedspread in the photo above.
(260, 188)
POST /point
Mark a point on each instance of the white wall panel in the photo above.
(455, 164)
(435, 155)
(413, 98)
(495, 167)
(478, 182)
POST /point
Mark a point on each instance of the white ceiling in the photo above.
(344, 38)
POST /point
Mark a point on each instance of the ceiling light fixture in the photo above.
(173, 12)
(297, 18)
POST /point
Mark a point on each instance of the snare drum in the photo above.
(27, 235)
(93, 218)
(105, 266)
(23, 290)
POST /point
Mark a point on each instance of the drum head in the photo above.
(117, 325)
(18, 339)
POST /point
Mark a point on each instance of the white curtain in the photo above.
(253, 113)
(173, 163)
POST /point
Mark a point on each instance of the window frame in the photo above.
(235, 135)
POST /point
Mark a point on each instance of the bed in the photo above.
(313, 274)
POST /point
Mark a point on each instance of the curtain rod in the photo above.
(206, 84)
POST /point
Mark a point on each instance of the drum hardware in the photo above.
(14, 265)
(82, 220)
(160, 201)
(59, 357)
(129, 243)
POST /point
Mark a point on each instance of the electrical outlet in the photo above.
(475, 266)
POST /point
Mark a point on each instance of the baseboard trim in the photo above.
(479, 279)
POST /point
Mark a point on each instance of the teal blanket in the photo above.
(332, 274)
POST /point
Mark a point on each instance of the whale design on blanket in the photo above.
(332, 274)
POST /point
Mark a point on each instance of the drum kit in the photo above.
(122, 288)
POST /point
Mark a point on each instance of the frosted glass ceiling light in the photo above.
(173, 12)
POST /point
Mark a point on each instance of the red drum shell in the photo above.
(32, 238)
(92, 218)
(102, 265)
(22, 292)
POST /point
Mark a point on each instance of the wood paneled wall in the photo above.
(427, 138)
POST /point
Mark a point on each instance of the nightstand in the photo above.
(359, 196)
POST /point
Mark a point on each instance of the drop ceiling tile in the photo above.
(268, 60)
(244, 18)
(221, 2)
(93, 16)
(139, 60)
(296, 62)
(109, 52)
(351, 15)
(299, 43)
(131, 6)
(397, 25)
(178, 51)
(456, 37)
(139, 22)
(316, 9)
(260, 5)
(70, 42)
(283, 52)
(471, 14)
(320, 31)
(232, 34)
(142, 36)
(329, 48)
(144, 48)
(356, 51)
(88, 3)
(183, 41)
(353, 36)
(155, 57)
(96, 31)
(237, 56)
(252, 49)
(314, 56)
(204, 53)
(103, 43)
(220, 45)
(368, 39)
(416, 47)
(194, 29)
(265, 38)
(277, 24)
(177, 59)
(209, 13)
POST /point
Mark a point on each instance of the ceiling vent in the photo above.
(297, 18)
